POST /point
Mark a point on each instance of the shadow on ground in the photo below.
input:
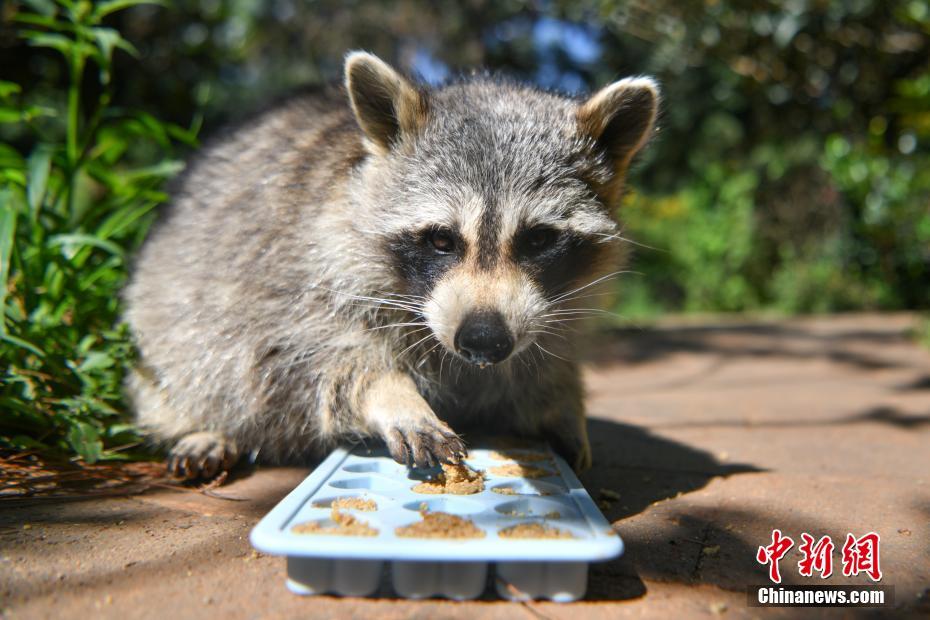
(638, 346)
(640, 469)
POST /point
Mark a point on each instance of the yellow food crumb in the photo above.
(455, 480)
(533, 530)
(440, 525)
(344, 525)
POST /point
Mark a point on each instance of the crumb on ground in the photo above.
(609, 495)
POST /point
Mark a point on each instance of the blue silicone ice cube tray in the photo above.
(456, 568)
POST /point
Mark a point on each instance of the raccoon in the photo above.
(394, 268)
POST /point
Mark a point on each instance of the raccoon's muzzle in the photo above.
(484, 338)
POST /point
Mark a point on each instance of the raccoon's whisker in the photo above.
(566, 300)
(298, 361)
(548, 332)
(577, 316)
(379, 300)
(401, 296)
(570, 311)
(388, 303)
(536, 358)
(379, 307)
(563, 296)
(389, 325)
(577, 297)
(424, 357)
(569, 319)
(423, 339)
(544, 350)
(619, 237)
(582, 313)
(442, 360)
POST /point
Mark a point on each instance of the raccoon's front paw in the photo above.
(201, 455)
(426, 444)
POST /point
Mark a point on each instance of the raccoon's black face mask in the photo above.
(494, 200)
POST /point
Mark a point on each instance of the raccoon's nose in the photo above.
(483, 338)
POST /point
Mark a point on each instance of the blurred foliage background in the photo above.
(791, 172)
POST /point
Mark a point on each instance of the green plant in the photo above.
(78, 185)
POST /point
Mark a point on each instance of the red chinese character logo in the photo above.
(817, 557)
(861, 555)
(773, 553)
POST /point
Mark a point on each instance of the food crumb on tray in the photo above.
(504, 490)
(455, 480)
(533, 530)
(440, 525)
(343, 525)
(520, 471)
(517, 455)
(350, 503)
(555, 514)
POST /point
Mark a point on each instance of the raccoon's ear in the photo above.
(386, 105)
(620, 117)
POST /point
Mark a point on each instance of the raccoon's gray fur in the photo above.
(395, 268)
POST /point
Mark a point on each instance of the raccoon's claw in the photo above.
(201, 455)
(425, 448)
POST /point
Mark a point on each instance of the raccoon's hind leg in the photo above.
(195, 454)
(563, 422)
(201, 455)
(568, 436)
(394, 409)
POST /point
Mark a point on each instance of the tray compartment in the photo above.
(458, 581)
(457, 569)
(561, 582)
(308, 576)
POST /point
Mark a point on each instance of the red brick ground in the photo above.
(712, 435)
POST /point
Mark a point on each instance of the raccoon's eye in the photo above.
(539, 238)
(442, 239)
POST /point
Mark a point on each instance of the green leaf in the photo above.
(44, 7)
(95, 360)
(10, 158)
(107, 39)
(9, 114)
(23, 344)
(35, 111)
(7, 233)
(46, 21)
(71, 242)
(119, 429)
(103, 9)
(40, 163)
(85, 440)
(121, 219)
(24, 442)
(165, 169)
(9, 88)
(47, 39)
